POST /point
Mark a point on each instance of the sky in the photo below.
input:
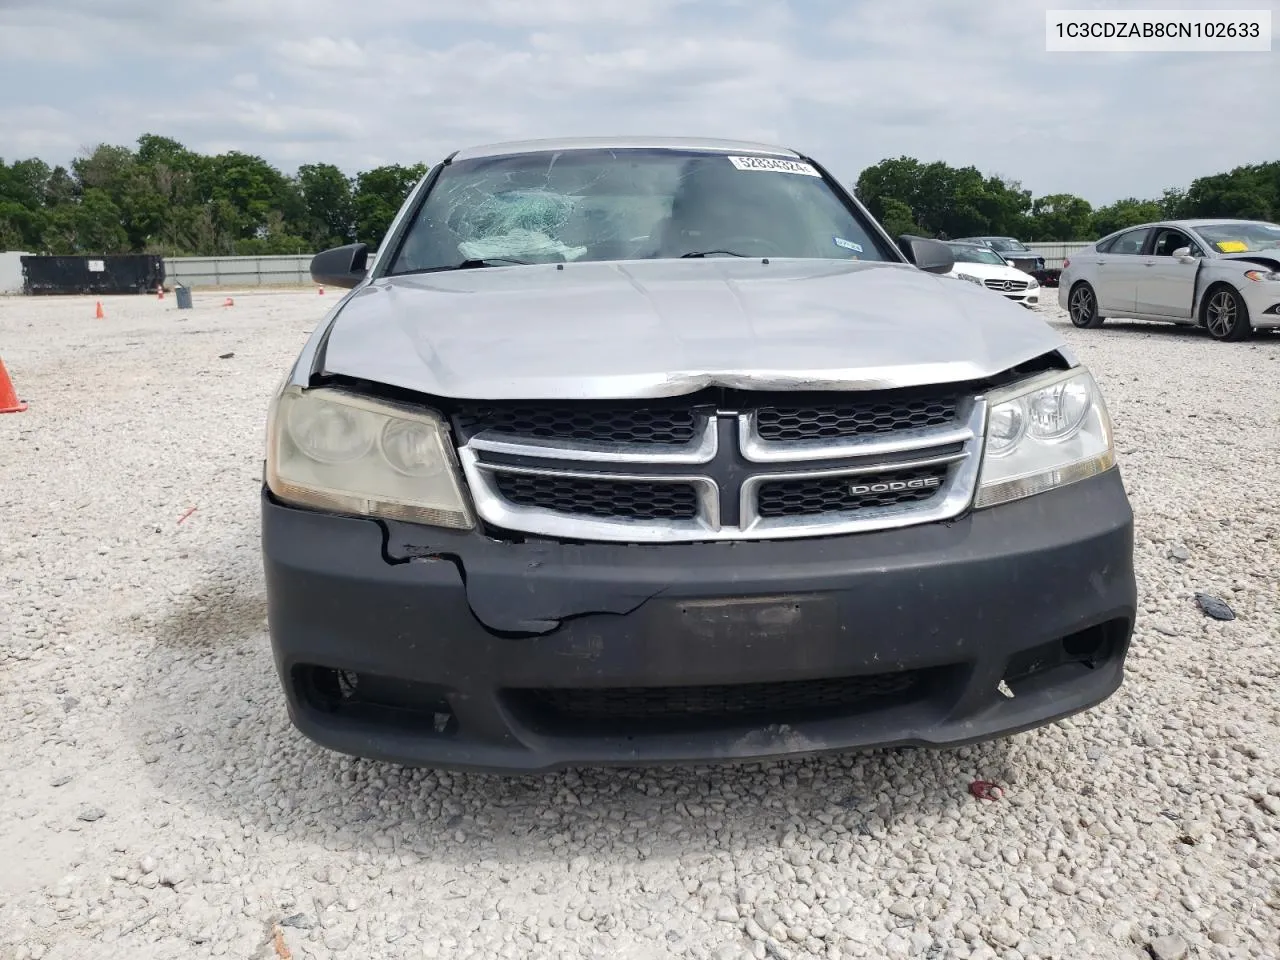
(849, 82)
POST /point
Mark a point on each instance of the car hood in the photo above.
(655, 328)
(989, 271)
(1261, 257)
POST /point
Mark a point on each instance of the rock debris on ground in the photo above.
(156, 803)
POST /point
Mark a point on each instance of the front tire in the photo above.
(1082, 307)
(1225, 315)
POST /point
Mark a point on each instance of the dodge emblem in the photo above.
(894, 486)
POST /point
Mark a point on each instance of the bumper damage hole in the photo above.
(384, 701)
(518, 625)
(1089, 648)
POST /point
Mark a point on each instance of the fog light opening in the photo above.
(385, 701)
(1086, 646)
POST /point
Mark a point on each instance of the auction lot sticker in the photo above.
(774, 164)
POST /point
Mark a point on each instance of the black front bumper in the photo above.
(429, 647)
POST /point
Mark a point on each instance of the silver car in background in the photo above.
(1223, 275)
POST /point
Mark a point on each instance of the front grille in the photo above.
(611, 424)
(735, 702)
(830, 421)
(1007, 286)
(807, 496)
(609, 499)
(723, 465)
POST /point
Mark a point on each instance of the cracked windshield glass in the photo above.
(586, 205)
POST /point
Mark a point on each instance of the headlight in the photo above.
(1033, 283)
(334, 451)
(1261, 276)
(1043, 434)
(971, 279)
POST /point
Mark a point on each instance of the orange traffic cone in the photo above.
(98, 314)
(322, 291)
(9, 402)
(159, 292)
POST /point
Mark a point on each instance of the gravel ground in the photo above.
(155, 802)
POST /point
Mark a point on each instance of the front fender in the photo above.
(1230, 272)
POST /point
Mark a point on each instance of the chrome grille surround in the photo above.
(1006, 286)
(728, 480)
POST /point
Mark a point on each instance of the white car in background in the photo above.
(1223, 275)
(981, 265)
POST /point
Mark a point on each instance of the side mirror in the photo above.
(1183, 255)
(341, 266)
(931, 256)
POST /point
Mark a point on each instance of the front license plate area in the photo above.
(749, 620)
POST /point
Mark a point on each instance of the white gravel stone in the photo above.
(1169, 948)
(135, 652)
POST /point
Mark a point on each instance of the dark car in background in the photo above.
(1013, 250)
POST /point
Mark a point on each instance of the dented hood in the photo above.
(657, 328)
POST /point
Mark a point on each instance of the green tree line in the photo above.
(162, 198)
(938, 200)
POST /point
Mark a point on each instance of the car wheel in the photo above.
(1225, 316)
(1083, 307)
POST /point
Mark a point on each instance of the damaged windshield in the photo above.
(1243, 237)
(596, 204)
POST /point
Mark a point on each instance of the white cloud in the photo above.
(408, 81)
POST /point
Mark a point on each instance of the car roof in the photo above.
(1206, 221)
(1190, 224)
(623, 143)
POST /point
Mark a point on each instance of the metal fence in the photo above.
(295, 270)
(1054, 253)
(238, 271)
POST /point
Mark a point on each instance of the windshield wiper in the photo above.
(464, 265)
(487, 262)
(712, 253)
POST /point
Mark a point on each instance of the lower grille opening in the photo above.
(406, 704)
(816, 495)
(1085, 649)
(606, 499)
(640, 710)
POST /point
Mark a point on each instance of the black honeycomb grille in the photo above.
(738, 702)
(817, 495)
(611, 424)
(607, 499)
(880, 415)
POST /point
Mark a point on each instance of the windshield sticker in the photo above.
(1232, 246)
(848, 244)
(774, 165)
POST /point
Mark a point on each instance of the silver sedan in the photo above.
(1223, 275)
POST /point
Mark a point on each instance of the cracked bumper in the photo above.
(466, 652)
